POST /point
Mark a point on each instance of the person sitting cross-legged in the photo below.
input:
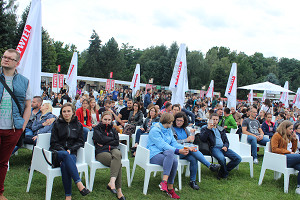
(219, 145)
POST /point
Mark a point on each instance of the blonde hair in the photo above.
(282, 128)
(106, 113)
(166, 118)
(49, 107)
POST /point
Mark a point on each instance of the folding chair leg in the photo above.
(179, 177)
(262, 174)
(49, 186)
(86, 176)
(286, 182)
(132, 173)
(92, 178)
(251, 169)
(199, 171)
(128, 175)
(29, 179)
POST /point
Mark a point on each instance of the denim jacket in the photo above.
(20, 85)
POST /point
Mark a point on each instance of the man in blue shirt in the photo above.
(216, 137)
(147, 98)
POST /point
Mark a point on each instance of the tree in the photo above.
(272, 78)
(48, 53)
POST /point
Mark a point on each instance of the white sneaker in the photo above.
(255, 161)
(297, 191)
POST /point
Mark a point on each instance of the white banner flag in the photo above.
(71, 79)
(231, 88)
(264, 96)
(250, 97)
(210, 90)
(179, 81)
(284, 98)
(30, 48)
(135, 82)
(297, 99)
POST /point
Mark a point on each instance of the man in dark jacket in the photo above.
(147, 98)
(219, 145)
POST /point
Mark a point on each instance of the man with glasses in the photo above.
(251, 127)
(12, 121)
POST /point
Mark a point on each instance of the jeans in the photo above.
(293, 161)
(8, 140)
(139, 132)
(220, 154)
(253, 142)
(68, 170)
(85, 133)
(193, 158)
(168, 160)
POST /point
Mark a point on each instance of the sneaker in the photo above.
(172, 194)
(194, 185)
(163, 186)
(297, 191)
(255, 161)
(214, 167)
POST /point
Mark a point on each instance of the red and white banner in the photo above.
(58, 80)
(135, 82)
(148, 86)
(231, 88)
(110, 84)
(297, 99)
(30, 48)
(71, 79)
(179, 81)
(210, 90)
(284, 98)
(250, 97)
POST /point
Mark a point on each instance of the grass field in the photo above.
(238, 186)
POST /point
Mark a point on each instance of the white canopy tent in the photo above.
(265, 86)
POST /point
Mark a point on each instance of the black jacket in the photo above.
(67, 136)
(145, 124)
(208, 135)
(107, 136)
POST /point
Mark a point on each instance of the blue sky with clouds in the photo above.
(269, 27)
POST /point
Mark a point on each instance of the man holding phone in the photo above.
(215, 135)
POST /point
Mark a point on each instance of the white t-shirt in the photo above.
(267, 109)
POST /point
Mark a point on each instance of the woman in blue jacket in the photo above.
(268, 126)
(163, 147)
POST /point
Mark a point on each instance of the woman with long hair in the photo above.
(84, 117)
(135, 119)
(267, 106)
(94, 112)
(66, 139)
(185, 137)
(106, 141)
(268, 126)
(284, 141)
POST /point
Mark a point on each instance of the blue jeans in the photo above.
(220, 154)
(68, 170)
(85, 133)
(139, 132)
(193, 158)
(168, 160)
(253, 142)
(293, 161)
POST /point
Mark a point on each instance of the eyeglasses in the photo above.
(179, 120)
(10, 59)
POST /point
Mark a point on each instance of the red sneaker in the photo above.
(163, 186)
(172, 194)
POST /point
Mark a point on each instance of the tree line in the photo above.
(156, 62)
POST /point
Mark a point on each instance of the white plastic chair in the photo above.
(39, 164)
(242, 149)
(244, 140)
(278, 164)
(233, 131)
(125, 137)
(142, 159)
(94, 164)
(133, 136)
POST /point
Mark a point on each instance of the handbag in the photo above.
(55, 162)
(203, 147)
(129, 129)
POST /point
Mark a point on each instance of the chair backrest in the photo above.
(56, 111)
(233, 141)
(233, 131)
(244, 138)
(268, 147)
(90, 138)
(143, 141)
(43, 140)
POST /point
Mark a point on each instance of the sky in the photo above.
(249, 26)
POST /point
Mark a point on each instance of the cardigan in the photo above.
(79, 114)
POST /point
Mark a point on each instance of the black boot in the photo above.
(194, 185)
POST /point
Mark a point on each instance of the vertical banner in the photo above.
(210, 90)
(231, 88)
(61, 81)
(112, 84)
(297, 99)
(30, 48)
(179, 80)
(107, 87)
(135, 82)
(250, 97)
(284, 98)
(54, 81)
(71, 79)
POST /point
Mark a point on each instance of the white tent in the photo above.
(265, 86)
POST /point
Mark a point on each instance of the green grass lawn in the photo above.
(238, 186)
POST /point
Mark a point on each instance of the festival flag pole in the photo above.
(210, 90)
(179, 81)
(71, 79)
(231, 89)
(297, 99)
(135, 82)
(30, 48)
(250, 97)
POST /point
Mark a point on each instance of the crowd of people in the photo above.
(172, 129)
